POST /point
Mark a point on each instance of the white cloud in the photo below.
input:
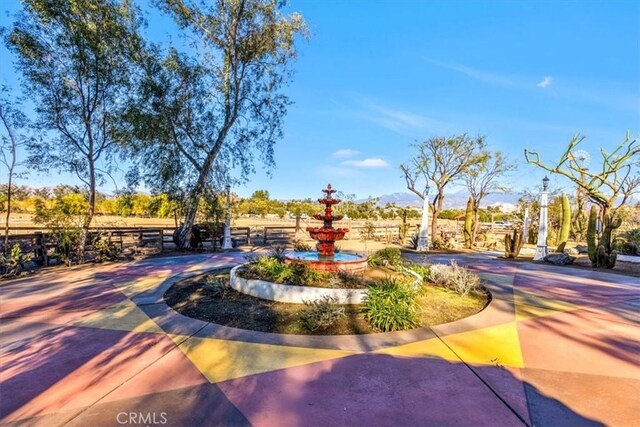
(373, 162)
(396, 120)
(345, 153)
(483, 76)
(545, 82)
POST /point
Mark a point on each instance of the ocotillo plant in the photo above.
(468, 224)
(512, 245)
(591, 236)
(566, 223)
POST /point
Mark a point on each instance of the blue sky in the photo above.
(376, 76)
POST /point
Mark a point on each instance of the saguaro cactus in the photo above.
(566, 223)
(468, 224)
(513, 244)
(605, 256)
(591, 236)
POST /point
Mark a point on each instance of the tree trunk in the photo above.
(437, 208)
(476, 223)
(6, 224)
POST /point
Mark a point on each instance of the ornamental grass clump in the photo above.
(322, 313)
(455, 277)
(387, 257)
(391, 306)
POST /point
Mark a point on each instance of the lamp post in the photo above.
(541, 247)
(227, 243)
(423, 236)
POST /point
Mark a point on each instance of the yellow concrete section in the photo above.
(221, 360)
(124, 316)
(432, 347)
(137, 286)
(496, 345)
(529, 306)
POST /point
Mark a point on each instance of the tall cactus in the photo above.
(591, 236)
(468, 224)
(605, 255)
(566, 223)
(512, 245)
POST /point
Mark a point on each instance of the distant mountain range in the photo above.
(458, 200)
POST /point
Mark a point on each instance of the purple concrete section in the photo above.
(369, 390)
(203, 405)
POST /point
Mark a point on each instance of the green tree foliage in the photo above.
(65, 218)
(609, 185)
(74, 57)
(483, 178)
(442, 161)
(200, 116)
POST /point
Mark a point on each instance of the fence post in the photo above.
(161, 240)
(265, 235)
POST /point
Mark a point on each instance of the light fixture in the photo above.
(545, 183)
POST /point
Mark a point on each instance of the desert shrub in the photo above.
(300, 246)
(104, 249)
(266, 268)
(391, 306)
(441, 243)
(322, 313)
(628, 242)
(299, 273)
(12, 265)
(216, 286)
(455, 277)
(278, 252)
(350, 280)
(386, 257)
(422, 270)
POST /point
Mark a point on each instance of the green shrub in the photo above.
(217, 286)
(386, 257)
(422, 270)
(391, 306)
(457, 278)
(12, 265)
(322, 313)
(266, 268)
(299, 246)
(278, 252)
(104, 249)
(300, 273)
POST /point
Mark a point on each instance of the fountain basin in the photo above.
(340, 261)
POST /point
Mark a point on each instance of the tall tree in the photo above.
(441, 160)
(200, 117)
(15, 126)
(482, 179)
(75, 59)
(610, 186)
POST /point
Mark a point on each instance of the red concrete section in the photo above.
(71, 368)
(581, 343)
(369, 390)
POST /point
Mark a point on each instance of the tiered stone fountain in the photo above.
(325, 258)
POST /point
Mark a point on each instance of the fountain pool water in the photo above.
(340, 261)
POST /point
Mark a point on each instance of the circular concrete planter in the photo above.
(299, 294)
(290, 293)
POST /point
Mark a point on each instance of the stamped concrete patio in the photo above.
(98, 346)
